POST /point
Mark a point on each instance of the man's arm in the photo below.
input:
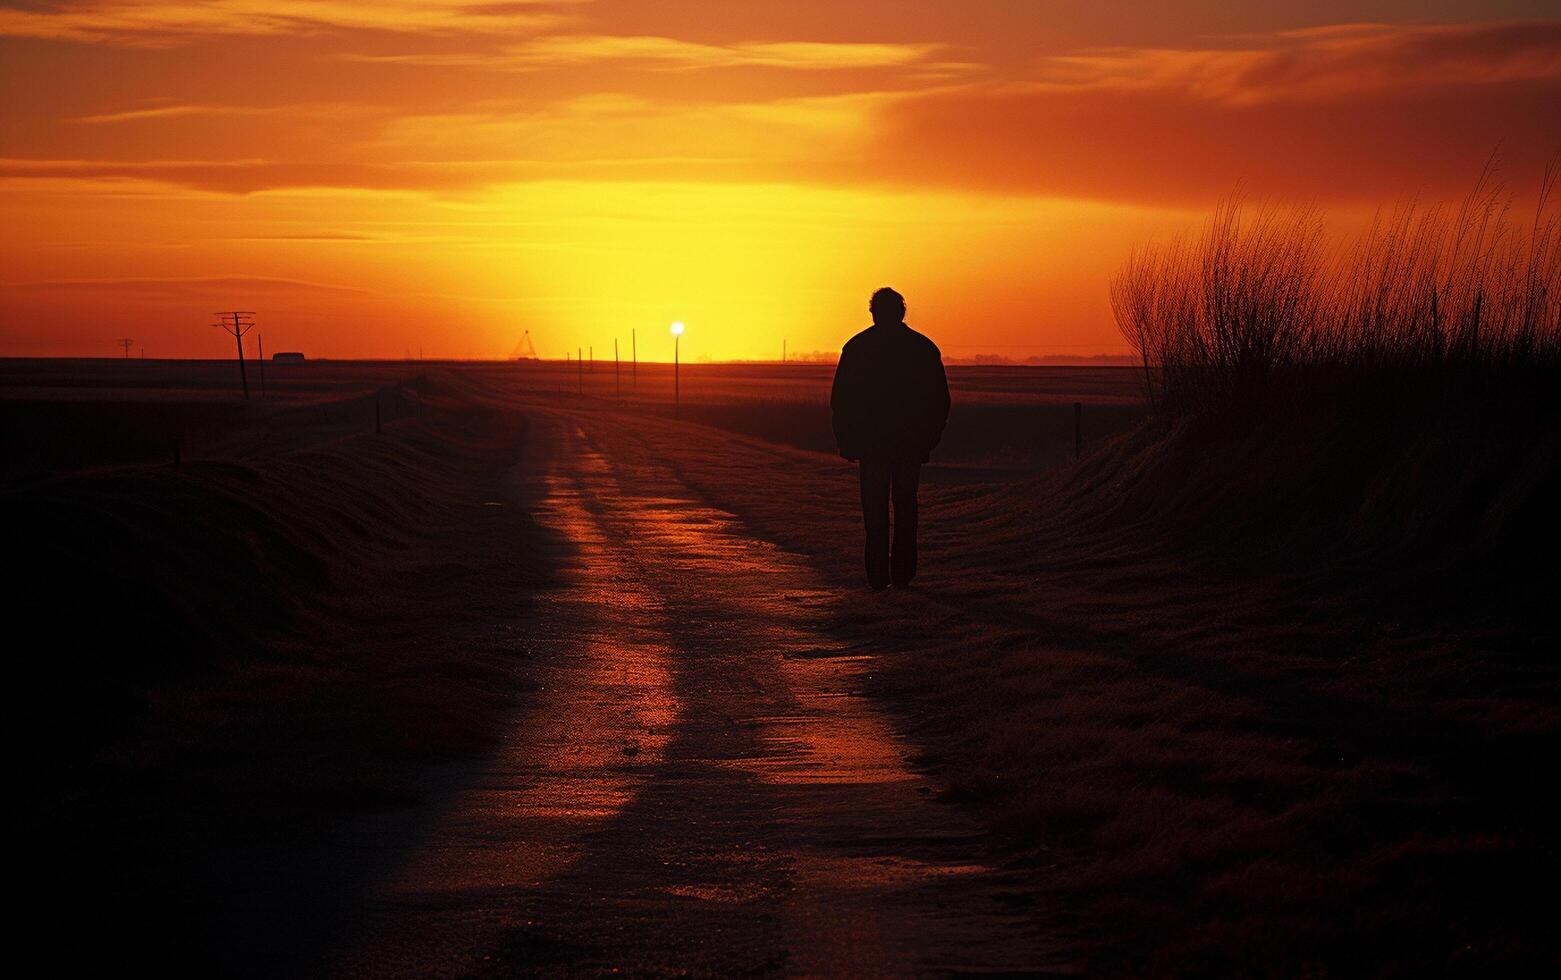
(936, 400)
(844, 407)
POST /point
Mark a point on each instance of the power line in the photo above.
(238, 323)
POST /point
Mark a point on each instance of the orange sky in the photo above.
(379, 178)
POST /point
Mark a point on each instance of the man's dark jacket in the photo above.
(891, 398)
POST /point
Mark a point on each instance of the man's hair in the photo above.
(887, 301)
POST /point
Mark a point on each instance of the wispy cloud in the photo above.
(313, 111)
(1359, 108)
(172, 112)
(455, 150)
(162, 22)
(314, 236)
(182, 286)
(673, 54)
(1339, 61)
(1352, 112)
(422, 176)
(708, 139)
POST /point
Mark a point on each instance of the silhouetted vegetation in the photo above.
(1383, 404)
(1261, 311)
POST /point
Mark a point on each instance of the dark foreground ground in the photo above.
(529, 682)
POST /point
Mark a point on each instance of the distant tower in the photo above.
(525, 350)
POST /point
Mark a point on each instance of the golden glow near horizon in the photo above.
(381, 178)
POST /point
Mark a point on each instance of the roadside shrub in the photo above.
(1262, 310)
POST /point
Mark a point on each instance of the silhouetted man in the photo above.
(889, 404)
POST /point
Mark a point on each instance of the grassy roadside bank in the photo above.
(1217, 761)
(244, 649)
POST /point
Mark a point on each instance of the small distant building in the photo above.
(288, 356)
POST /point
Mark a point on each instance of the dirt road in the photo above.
(698, 788)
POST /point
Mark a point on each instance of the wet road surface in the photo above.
(698, 789)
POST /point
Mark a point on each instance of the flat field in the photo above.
(55, 414)
(1121, 739)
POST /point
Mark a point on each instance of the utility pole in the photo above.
(125, 342)
(677, 387)
(260, 347)
(238, 323)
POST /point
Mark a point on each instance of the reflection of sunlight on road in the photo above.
(834, 738)
(608, 725)
(834, 735)
(595, 730)
(577, 754)
(874, 865)
(699, 757)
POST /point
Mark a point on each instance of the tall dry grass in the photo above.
(1264, 310)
